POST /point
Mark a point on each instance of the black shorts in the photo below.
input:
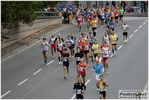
(83, 75)
(93, 28)
(79, 96)
(103, 93)
(99, 16)
(85, 52)
(44, 51)
(125, 33)
(77, 62)
(61, 51)
(66, 64)
(95, 55)
(102, 19)
(121, 16)
(116, 17)
(114, 44)
(73, 45)
(82, 52)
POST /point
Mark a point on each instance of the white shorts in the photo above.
(97, 77)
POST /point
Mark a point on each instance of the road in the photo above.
(24, 76)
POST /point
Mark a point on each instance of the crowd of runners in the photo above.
(86, 47)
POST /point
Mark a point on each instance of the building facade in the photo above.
(97, 3)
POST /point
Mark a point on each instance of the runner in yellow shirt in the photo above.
(95, 48)
(113, 39)
(94, 24)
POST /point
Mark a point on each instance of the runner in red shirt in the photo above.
(82, 67)
(86, 50)
(80, 44)
(79, 20)
(116, 16)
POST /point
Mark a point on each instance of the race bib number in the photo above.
(78, 91)
(81, 69)
(78, 58)
(65, 59)
(95, 25)
(116, 14)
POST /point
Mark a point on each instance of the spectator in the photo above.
(65, 15)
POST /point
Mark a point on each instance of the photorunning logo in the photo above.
(133, 94)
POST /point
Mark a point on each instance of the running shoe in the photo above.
(64, 77)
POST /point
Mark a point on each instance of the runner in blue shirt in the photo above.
(98, 70)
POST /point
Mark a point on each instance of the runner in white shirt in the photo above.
(45, 46)
(53, 45)
(105, 50)
(70, 44)
(125, 28)
(106, 38)
(60, 51)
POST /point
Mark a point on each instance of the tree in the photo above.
(13, 12)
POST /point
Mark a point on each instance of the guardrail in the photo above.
(46, 13)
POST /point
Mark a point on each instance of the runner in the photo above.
(60, 51)
(53, 45)
(86, 51)
(112, 14)
(79, 87)
(78, 56)
(114, 39)
(103, 18)
(121, 12)
(89, 37)
(111, 25)
(83, 35)
(91, 50)
(102, 87)
(106, 38)
(116, 16)
(81, 44)
(98, 57)
(98, 70)
(45, 45)
(125, 28)
(105, 50)
(108, 26)
(79, 20)
(73, 45)
(94, 25)
(69, 44)
(65, 58)
(95, 48)
(82, 67)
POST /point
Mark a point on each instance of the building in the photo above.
(97, 3)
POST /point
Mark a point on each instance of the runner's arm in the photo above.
(106, 84)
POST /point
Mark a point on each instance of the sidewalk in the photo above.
(31, 40)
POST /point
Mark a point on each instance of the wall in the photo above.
(21, 31)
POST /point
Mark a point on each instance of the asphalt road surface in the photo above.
(24, 76)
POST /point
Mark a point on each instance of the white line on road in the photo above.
(102, 27)
(119, 47)
(135, 30)
(85, 84)
(131, 35)
(22, 81)
(37, 71)
(145, 88)
(50, 62)
(5, 93)
(140, 26)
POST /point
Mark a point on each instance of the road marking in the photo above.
(41, 82)
(34, 43)
(50, 62)
(5, 93)
(131, 35)
(146, 86)
(135, 30)
(22, 81)
(120, 47)
(85, 84)
(140, 26)
(102, 26)
(37, 71)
